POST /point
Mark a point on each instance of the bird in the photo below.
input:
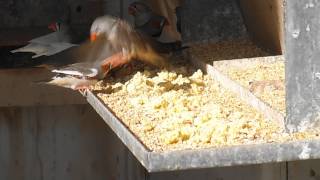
(127, 43)
(49, 44)
(114, 43)
(152, 24)
(70, 82)
(145, 20)
(63, 37)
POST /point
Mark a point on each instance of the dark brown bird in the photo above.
(151, 24)
(145, 20)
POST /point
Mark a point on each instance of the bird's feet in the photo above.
(83, 89)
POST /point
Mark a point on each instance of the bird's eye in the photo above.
(97, 29)
(136, 7)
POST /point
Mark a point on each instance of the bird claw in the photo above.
(83, 89)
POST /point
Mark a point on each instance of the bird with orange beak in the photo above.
(114, 44)
(126, 43)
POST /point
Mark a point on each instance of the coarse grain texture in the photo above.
(229, 49)
(265, 80)
(185, 109)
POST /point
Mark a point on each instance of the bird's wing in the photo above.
(55, 37)
(77, 59)
(136, 45)
(43, 49)
(142, 18)
(32, 47)
(78, 69)
(100, 50)
(123, 38)
(55, 48)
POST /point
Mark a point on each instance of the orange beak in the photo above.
(93, 37)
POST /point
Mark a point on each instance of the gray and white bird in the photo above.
(50, 44)
(114, 43)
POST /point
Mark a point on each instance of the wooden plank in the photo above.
(256, 172)
(306, 170)
(130, 168)
(264, 20)
(59, 143)
(120, 129)
(18, 88)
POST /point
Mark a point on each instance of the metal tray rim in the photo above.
(209, 157)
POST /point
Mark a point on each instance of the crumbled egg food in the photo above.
(170, 111)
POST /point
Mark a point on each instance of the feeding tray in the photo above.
(183, 156)
(206, 157)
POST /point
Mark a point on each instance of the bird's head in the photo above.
(55, 26)
(137, 8)
(101, 26)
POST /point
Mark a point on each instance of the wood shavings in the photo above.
(256, 69)
(225, 50)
